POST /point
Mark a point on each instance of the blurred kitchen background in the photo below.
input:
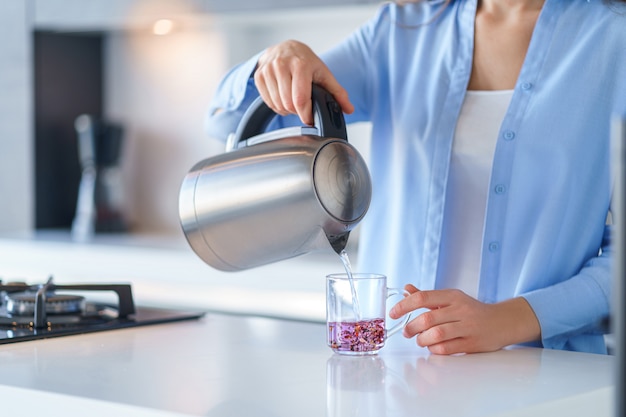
(149, 69)
(149, 66)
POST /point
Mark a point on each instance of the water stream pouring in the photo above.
(275, 195)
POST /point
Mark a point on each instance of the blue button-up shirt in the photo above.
(545, 233)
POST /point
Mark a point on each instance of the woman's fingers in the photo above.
(454, 322)
(301, 97)
(411, 288)
(423, 299)
(440, 333)
(450, 347)
(284, 75)
(430, 320)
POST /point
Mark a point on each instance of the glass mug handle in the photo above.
(394, 329)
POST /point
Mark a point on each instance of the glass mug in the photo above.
(356, 325)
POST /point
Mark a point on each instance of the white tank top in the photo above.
(468, 182)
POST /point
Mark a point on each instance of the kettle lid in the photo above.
(342, 181)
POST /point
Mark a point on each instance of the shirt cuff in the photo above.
(562, 320)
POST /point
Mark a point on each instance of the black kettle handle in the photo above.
(327, 116)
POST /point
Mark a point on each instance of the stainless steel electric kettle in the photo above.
(276, 195)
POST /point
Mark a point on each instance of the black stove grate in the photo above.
(93, 317)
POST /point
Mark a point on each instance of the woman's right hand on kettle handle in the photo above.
(284, 75)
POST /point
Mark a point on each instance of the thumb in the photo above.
(411, 288)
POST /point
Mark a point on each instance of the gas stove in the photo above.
(30, 312)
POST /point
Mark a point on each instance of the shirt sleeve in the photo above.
(563, 320)
(233, 96)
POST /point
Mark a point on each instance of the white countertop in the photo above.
(225, 365)
(234, 365)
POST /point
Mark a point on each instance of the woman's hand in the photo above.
(458, 323)
(284, 75)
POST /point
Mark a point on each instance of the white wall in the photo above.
(160, 86)
(16, 133)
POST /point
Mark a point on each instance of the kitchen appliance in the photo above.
(30, 312)
(99, 204)
(276, 195)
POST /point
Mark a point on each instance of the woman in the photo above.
(489, 159)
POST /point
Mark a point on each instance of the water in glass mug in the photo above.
(358, 329)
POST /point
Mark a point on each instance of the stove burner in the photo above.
(30, 312)
(23, 304)
(30, 304)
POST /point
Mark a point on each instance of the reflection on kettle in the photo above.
(355, 386)
(276, 195)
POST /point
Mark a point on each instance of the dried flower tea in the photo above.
(363, 336)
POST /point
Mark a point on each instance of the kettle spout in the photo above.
(339, 242)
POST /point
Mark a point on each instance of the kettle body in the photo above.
(276, 195)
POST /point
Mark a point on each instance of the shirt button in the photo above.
(231, 101)
(526, 86)
(494, 246)
(500, 189)
(509, 135)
